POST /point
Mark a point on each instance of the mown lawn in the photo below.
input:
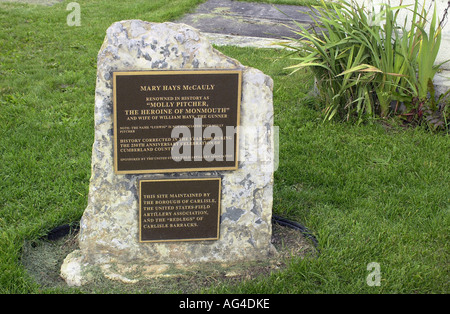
(369, 193)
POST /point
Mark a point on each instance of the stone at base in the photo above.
(442, 82)
(72, 269)
(76, 273)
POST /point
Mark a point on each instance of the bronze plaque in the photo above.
(173, 121)
(179, 209)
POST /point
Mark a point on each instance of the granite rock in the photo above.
(109, 226)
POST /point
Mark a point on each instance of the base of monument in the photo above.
(43, 259)
(77, 273)
(287, 242)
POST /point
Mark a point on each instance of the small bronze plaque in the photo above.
(173, 121)
(179, 209)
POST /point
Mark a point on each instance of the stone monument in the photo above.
(145, 216)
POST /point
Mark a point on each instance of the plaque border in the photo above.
(175, 72)
(219, 207)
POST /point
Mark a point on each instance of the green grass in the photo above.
(369, 193)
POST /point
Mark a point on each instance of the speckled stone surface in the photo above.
(109, 227)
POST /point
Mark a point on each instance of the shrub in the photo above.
(365, 64)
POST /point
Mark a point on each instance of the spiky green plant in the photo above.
(365, 63)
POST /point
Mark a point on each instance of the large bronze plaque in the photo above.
(179, 209)
(173, 121)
